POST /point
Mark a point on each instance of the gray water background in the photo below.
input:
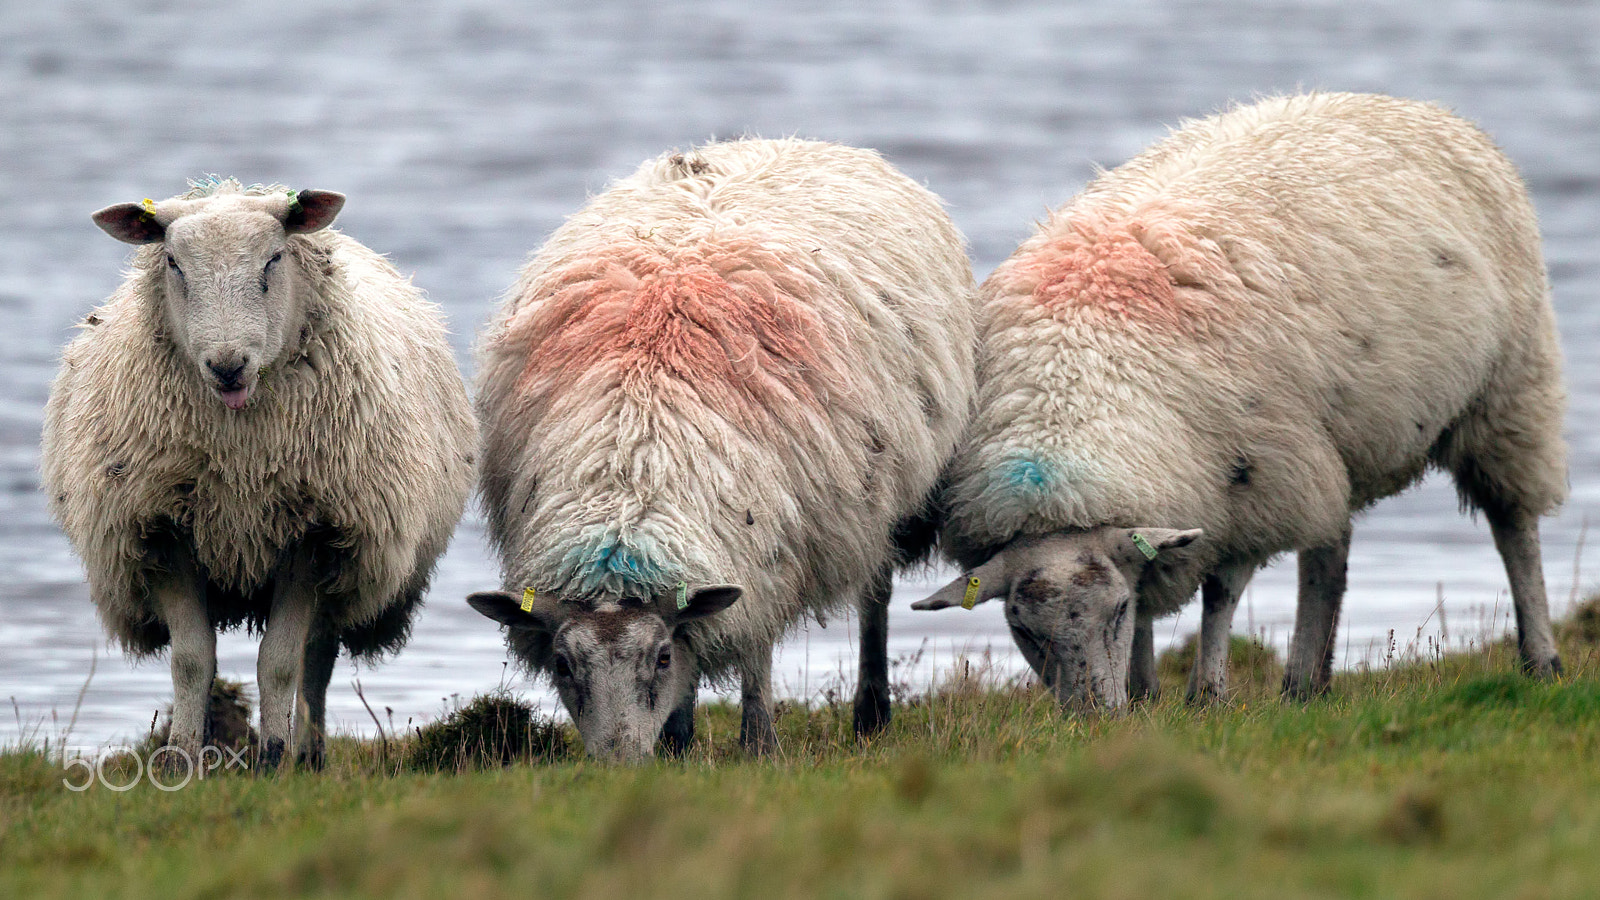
(464, 131)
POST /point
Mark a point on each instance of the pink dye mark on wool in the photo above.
(724, 322)
(1109, 272)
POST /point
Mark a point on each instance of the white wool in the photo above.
(363, 427)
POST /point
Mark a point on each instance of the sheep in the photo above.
(1255, 329)
(737, 373)
(265, 426)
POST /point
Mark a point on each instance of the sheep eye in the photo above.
(173, 264)
(267, 270)
(664, 659)
(562, 667)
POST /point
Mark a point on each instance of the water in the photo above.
(464, 131)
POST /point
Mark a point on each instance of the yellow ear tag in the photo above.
(527, 599)
(971, 598)
(683, 594)
(1143, 545)
(149, 207)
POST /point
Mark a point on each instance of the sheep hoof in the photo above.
(1542, 669)
(1210, 695)
(756, 734)
(312, 759)
(177, 759)
(872, 710)
(1302, 690)
(272, 755)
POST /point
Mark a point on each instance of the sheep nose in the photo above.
(227, 373)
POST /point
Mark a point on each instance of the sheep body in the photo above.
(1259, 326)
(359, 441)
(747, 363)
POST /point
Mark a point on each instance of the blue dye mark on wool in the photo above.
(606, 563)
(207, 185)
(1026, 475)
(1029, 475)
(1024, 487)
(212, 184)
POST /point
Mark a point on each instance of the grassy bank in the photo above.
(1450, 777)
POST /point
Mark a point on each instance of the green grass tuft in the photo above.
(1582, 625)
(491, 731)
(1248, 658)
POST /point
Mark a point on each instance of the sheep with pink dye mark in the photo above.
(1224, 349)
(736, 374)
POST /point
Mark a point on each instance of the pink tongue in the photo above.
(237, 399)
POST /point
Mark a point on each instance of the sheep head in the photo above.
(1070, 601)
(620, 665)
(234, 291)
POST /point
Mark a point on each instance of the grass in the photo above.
(492, 730)
(1448, 776)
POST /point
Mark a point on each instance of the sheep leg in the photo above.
(1516, 536)
(179, 596)
(756, 734)
(322, 652)
(872, 686)
(678, 733)
(283, 655)
(1219, 597)
(1143, 683)
(1316, 619)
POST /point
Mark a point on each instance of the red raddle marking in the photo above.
(1095, 270)
(722, 322)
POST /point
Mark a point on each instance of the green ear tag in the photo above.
(1143, 545)
(683, 594)
(527, 599)
(971, 598)
(294, 201)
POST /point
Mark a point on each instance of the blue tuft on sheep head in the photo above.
(231, 276)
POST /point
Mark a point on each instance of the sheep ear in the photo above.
(980, 585)
(506, 608)
(312, 211)
(1143, 545)
(704, 601)
(131, 223)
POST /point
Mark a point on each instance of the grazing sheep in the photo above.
(264, 426)
(738, 372)
(1258, 327)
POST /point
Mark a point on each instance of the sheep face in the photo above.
(620, 666)
(233, 291)
(1070, 601)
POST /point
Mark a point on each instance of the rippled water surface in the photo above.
(463, 132)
